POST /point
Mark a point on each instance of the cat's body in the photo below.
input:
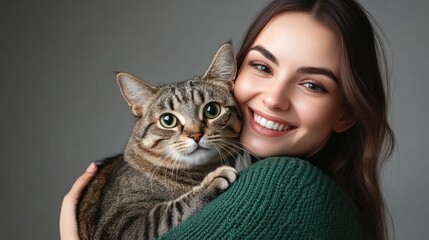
(172, 164)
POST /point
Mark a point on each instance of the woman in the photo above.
(310, 85)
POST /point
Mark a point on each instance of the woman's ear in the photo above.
(346, 121)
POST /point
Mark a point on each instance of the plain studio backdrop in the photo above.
(61, 107)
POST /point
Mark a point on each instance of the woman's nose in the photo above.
(276, 98)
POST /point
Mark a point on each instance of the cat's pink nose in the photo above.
(196, 136)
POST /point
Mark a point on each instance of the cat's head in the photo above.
(187, 124)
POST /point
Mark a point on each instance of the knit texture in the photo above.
(276, 198)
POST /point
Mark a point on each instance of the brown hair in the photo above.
(352, 158)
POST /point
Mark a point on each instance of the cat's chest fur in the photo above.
(150, 182)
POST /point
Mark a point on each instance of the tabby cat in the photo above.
(178, 158)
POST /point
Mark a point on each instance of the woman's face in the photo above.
(288, 88)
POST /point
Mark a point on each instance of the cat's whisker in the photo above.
(224, 152)
(164, 158)
(218, 140)
(240, 146)
(174, 161)
(227, 150)
(176, 168)
(171, 167)
(232, 151)
(224, 158)
(220, 154)
(243, 157)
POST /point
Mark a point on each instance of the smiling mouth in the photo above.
(269, 124)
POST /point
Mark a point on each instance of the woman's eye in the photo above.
(211, 110)
(168, 120)
(314, 87)
(262, 68)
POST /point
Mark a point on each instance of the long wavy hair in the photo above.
(353, 158)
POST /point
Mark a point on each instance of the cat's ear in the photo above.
(223, 66)
(135, 91)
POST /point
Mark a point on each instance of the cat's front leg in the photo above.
(212, 186)
(165, 216)
(216, 182)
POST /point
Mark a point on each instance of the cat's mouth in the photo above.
(199, 156)
(270, 124)
(200, 149)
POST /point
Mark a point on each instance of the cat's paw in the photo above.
(219, 180)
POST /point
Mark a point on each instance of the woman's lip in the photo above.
(266, 131)
(272, 118)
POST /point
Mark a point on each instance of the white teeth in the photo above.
(276, 126)
(269, 124)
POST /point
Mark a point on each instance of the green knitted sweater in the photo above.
(276, 198)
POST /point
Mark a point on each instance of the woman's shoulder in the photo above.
(315, 205)
(276, 198)
(291, 174)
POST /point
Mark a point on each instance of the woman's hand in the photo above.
(68, 220)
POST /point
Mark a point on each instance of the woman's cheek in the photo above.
(243, 89)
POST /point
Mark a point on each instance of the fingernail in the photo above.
(91, 168)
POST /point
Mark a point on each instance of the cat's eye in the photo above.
(211, 110)
(168, 120)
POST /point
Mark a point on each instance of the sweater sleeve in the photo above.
(276, 198)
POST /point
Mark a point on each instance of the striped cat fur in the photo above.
(180, 155)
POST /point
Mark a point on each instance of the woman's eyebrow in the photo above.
(307, 70)
(265, 53)
(319, 71)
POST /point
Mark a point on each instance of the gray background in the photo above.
(61, 108)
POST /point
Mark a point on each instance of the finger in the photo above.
(68, 220)
(82, 182)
